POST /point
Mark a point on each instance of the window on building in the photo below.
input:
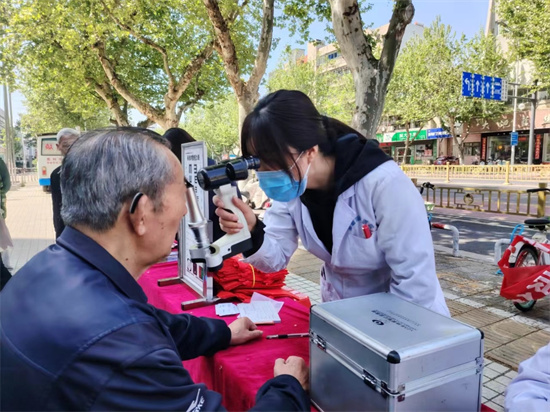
(471, 149)
(332, 56)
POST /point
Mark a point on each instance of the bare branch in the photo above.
(144, 40)
(190, 103)
(106, 93)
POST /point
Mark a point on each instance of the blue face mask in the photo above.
(278, 185)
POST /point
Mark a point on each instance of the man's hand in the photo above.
(294, 366)
(243, 330)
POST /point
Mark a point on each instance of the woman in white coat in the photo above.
(347, 201)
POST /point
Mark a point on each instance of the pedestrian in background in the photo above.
(5, 238)
(65, 138)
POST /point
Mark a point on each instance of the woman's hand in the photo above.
(229, 222)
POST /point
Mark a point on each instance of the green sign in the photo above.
(401, 136)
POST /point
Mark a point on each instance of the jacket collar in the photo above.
(87, 249)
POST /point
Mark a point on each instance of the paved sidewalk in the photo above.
(470, 286)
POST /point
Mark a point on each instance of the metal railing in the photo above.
(506, 172)
(493, 200)
(22, 175)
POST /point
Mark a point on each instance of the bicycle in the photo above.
(429, 205)
(532, 252)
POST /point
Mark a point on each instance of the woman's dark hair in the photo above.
(177, 137)
(284, 119)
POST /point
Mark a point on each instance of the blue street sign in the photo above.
(438, 133)
(487, 87)
(467, 84)
(478, 85)
(514, 138)
(497, 88)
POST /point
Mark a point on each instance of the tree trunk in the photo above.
(370, 75)
(246, 105)
(407, 142)
(458, 142)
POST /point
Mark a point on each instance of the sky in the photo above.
(464, 16)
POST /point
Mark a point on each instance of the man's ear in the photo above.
(142, 207)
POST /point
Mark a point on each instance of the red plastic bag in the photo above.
(523, 284)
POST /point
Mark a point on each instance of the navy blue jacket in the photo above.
(77, 334)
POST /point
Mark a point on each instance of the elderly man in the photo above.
(77, 332)
(65, 138)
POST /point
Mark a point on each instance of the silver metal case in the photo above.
(382, 353)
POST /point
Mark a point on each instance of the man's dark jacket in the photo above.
(57, 201)
(77, 334)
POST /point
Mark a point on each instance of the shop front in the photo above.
(422, 145)
(496, 146)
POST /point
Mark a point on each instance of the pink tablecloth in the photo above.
(238, 372)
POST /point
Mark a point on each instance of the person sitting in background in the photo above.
(177, 137)
(65, 138)
(530, 390)
(76, 331)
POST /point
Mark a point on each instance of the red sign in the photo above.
(538, 145)
(483, 149)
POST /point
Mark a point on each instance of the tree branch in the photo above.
(106, 93)
(191, 70)
(403, 13)
(145, 108)
(348, 28)
(264, 47)
(226, 45)
(144, 40)
(190, 103)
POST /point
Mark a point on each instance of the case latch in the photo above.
(369, 380)
(321, 343)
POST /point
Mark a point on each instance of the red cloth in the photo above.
(523, 284)
(238, 372)
(168, 298)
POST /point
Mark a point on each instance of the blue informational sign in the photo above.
(483, 87)
(438, 133)
(514, 138)
(487, 87)
(478, 85)
(467, 84)
(497, 88)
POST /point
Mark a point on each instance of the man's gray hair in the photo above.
(106, 168)
(67, 132)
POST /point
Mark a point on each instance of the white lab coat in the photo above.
(530, 390)
(397, 258)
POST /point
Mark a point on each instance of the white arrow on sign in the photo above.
(477, 86)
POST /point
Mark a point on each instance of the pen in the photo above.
(288, 335)
(366, 231)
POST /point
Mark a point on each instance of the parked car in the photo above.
(442, 160)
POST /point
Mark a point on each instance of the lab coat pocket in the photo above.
(358, 254)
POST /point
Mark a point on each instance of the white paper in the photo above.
(226, 309)
(259, 311)
(258, 297)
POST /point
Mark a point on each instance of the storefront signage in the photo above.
(438, 133)
(538, 147)
(514, 136)
(483, 149)
(401, 136)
